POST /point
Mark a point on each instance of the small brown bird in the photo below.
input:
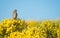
(15, 14)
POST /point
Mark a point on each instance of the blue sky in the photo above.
(30, 9)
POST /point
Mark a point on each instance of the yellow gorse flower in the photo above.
(16, 28)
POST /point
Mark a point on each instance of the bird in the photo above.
(15, 14)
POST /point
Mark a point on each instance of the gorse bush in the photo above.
(16, 28)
